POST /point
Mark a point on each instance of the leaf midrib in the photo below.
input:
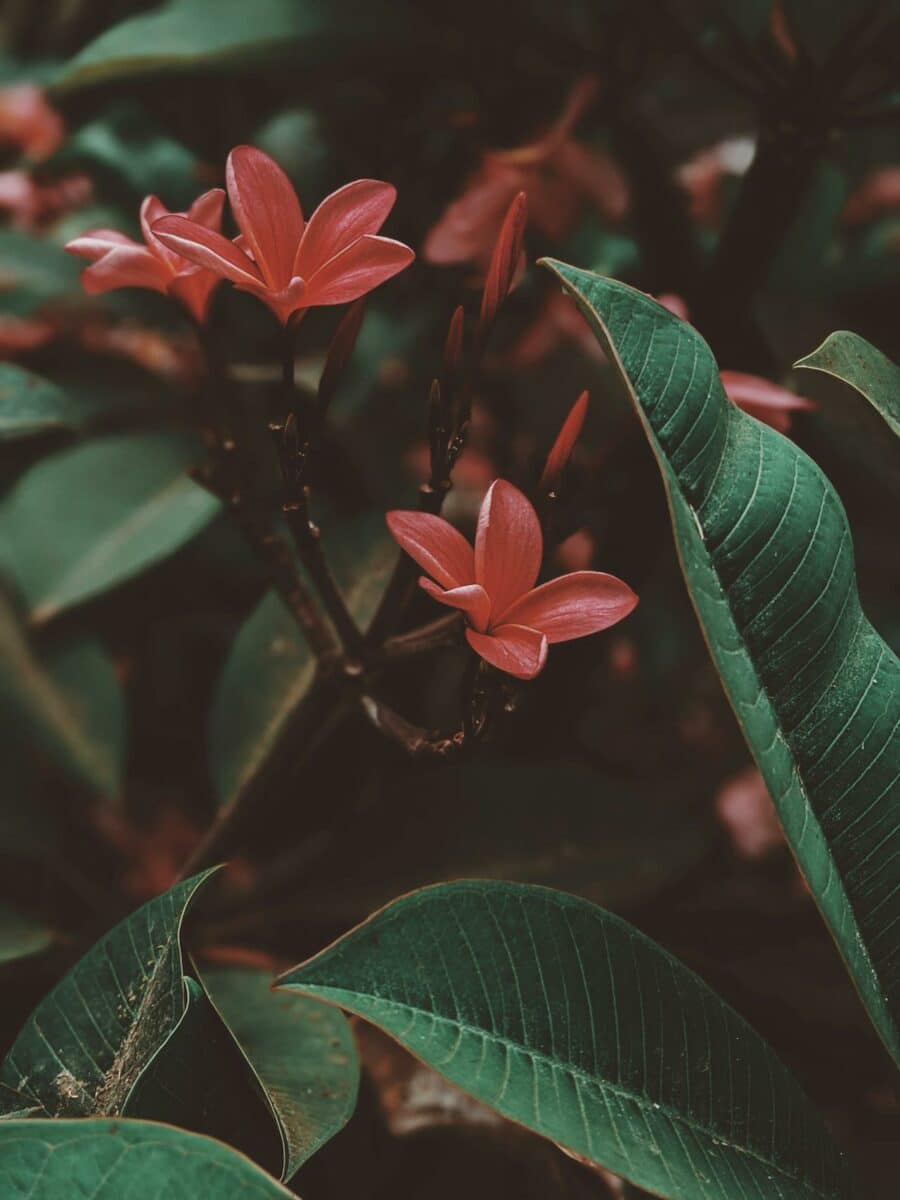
(672, 483)
(641, 1099)
(144, 515)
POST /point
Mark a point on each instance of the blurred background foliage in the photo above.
(145, 678)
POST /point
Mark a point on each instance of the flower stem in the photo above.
(293, 435)
(231, 478)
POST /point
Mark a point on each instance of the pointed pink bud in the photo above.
(562, 448)
(504, 262)
(340, 350)
(454, 343)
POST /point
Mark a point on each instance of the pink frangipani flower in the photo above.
(510, 621)
(289, 264)
(119, 262)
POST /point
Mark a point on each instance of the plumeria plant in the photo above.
(341, 606)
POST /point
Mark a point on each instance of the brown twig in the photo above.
(416, 741)
(230, 477)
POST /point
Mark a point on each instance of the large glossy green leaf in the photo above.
(112, 1160)
(67, 709)
(768, 558)
(270, 669)
(215, 35)
(84, 1048)
(566, 1019)
(30, 406)
(850, 358)
(302, 1052)
(91, 517)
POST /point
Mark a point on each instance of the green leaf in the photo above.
(260, 699)
(566, 1019)
(34, 272)
(302, 1053)
(20, 934)
(767, 555)
(125, 148)
(850, 358)
(46, 1160)
(215, 35)
(200, 1080)
(31, 406)
(75, 718)
(84, 1048)
(92, 516)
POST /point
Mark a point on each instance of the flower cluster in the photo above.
(288, 263)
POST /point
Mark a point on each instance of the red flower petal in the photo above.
(573, 606)
(471, 599)
(96, 242)
(193, 288)
(207, 209)
(435, 545)
(562, 448)
(207, 249)
(504, 261)
(153, 210)
(508, 545)
(514, 649)
(467, 229)
(753, 389)
(347, 214)
(763, 400)
(126, 266)
(358, 269)
(267, 210)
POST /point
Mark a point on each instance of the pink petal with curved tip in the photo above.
(362, 266)
(267, 210)
(97, 242)
(508, 545)
(207, 249)
(471, 599)
(126, 266)
(573, 606)
(435, 545)
(354, 210)
(207, 209)
(515, 649)
(153, 210)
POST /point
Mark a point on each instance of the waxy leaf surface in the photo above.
(768, 558)
(67, 710)
(31, 406)
(95, 515)
(566, 1019)
(301, 1051)
(97, 1159)
(215, 35)
(850, 358)
(86, 1045)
